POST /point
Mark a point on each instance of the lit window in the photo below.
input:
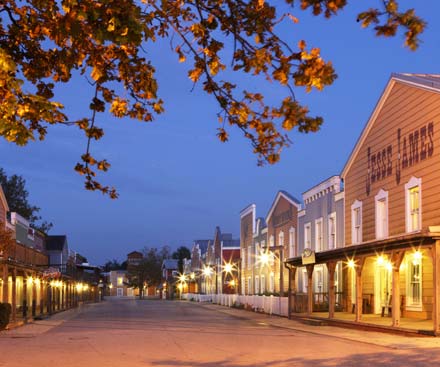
(249, 290)
(318, 235)
(332, 231)
(381, 200)
(414, 283)
(356, 220)
(272, 283)
(292, 242)
(413, 204)
(249, 259)
(120, 280)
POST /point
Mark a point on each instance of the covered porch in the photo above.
(392, 283)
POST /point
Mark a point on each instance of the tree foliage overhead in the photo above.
(45, 42)
(14, 187)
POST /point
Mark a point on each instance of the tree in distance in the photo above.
(48, 42)
(180, 254)
(14, 187)
(149, 271)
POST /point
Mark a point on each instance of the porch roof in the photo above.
(417, 239)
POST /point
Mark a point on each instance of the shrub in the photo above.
(5, 313)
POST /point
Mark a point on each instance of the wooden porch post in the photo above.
(435, 255)
(359, 265)
(14, 294)
(34, 295)
(26, 301)
(292, 290)
(396, 259)
(310, 288)
(331, 266)
(5, 277)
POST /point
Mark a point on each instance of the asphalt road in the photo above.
(171, 333)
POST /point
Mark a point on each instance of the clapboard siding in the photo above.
(408, 108)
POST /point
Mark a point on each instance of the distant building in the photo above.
(118, 284)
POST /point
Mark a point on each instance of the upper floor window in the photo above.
(120, 281)
(271, 241)
(249, 257)
(308, 235)
(318, 235)
(281, 239)
(381, 204)
(292, 242)
(356, 222)
(332, 231)
(413, 201)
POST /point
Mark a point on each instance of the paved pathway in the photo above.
(172, 333)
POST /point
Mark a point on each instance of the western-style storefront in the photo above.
(392, 283)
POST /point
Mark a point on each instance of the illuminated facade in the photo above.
(392, 214)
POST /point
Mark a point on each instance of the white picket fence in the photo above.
(267, 304)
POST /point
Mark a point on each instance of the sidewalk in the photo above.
(36, 327)
(369, 337)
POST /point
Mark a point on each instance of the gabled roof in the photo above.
(203, 245)
(135, 254)
(56, 243)
(430, 82)
(170, 264)
(288, 197)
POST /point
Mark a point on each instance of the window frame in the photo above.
(331, 216)
(381, 197)
(319, 236)
(357, 205)
(410, 305)
(411, 184)
(308, 235)
(292, 242)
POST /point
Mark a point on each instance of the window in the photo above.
(381, 203)
(244, 259)
(249, 289)
(307, 235)
(292, 252)
(318, 279)
(249, 259)
(257, 252)
(271, 241)
(413, 201)
(272, 282)
(304, 280)
(281, 239)
(243, 286)
(120, 281)
(332, 231)
(318, 235)
(263, 284)
(356, 222)
(257, 285)
(414, 283)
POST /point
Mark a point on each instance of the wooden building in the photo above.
(392, 211)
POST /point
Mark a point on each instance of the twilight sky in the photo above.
(175, 179)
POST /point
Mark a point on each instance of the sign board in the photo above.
(51, 273)
(308, 256)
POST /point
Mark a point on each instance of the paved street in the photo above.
(173, 333)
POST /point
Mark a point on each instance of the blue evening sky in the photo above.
(175, 179)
